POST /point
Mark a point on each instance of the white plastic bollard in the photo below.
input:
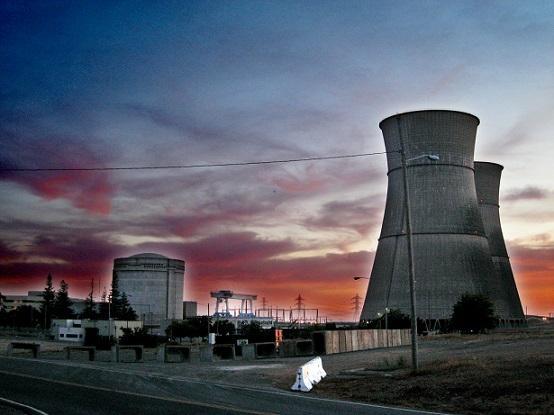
(308, 375)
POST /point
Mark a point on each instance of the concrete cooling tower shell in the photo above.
(502, 289)
(451, 251)
(154, 285)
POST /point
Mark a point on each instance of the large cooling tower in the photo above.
(502, 289)
(451, 251)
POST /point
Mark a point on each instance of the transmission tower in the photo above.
(356, 300)
(299, 302)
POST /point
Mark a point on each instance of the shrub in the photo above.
(473, 313)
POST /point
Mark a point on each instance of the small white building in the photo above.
(68, 330)
(74, 330)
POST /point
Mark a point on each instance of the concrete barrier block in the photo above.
(287, 348)
(33, 347)
(304, 347)
(308, 375)
(224, 351)
(183, 353)
(89, 349)
(137, 349)
(249, 351)
(206, 353)
(265, 350)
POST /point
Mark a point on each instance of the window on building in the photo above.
(72, 336)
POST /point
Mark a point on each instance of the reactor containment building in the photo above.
(454, 248)
(154, 286)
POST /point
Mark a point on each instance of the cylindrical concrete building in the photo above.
(451, 251)
(154, 285)
(502, 288)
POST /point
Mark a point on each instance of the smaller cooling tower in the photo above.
(501, 288)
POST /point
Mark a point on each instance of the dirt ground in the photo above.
(502, 373)
(484, 374)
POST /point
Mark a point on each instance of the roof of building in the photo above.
(147, 255)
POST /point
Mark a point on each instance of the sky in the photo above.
(100, 84)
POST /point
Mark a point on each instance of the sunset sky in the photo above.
(86, 84)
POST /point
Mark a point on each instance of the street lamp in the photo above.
(411, 268)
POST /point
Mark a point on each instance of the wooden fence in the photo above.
(341, 341)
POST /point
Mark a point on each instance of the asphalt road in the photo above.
(68, 388)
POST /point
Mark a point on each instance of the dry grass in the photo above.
(483, 385)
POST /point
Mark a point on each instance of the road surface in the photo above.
(71, 388)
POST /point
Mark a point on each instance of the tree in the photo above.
(62, 303)
(90, 311)
(117, 304)
(24, 316)
(395, 319)
(473, 313)
(3, 313)
(48, 299)
(191, 327)
(138, 335)
(253, 331)
(115, 297)
(224, 327)
(104, 308)
(126, 312)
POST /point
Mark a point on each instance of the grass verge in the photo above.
(478, 385)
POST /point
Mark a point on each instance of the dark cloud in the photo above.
(361, 216)
(7, 253)
(88, 190)
(526, 193)
(237, 260)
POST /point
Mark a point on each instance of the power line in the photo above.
(192, 166)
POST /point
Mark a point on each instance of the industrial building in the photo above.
(35, 300)
(153, 284)
(451, 250)
(190, 309)
(502, 287)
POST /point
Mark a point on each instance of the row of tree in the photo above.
(57, 304)
(114, 305)
(472, 313)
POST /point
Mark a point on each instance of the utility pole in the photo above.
(411, 268)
